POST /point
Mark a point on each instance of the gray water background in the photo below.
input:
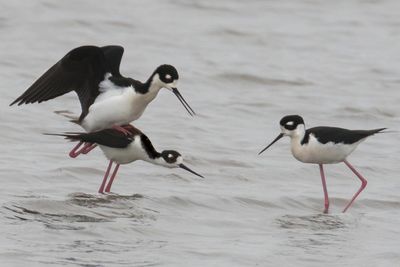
(243, 65)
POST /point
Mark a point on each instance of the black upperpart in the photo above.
(290, 122)
(167, 73)
(107, 137)
(338, 135)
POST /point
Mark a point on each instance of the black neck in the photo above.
(149, 148)
(139, 87)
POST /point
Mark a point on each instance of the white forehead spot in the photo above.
(168, 76)
(290, 123)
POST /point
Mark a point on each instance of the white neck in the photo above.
(157, 161)
(298, 150)
(299, 132)
(156, 84)
(297, 135)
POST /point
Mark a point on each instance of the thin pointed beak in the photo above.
(189, 170)
(183, 101)
(276, 139)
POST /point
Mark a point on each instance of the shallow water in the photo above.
(243, 65)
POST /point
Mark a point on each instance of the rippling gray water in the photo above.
(243, 65)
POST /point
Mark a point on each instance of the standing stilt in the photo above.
(108, 188)
(326, 202)
(101, 189)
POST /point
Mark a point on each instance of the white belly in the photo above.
(315, 152)
(115, 107)
(126, 155)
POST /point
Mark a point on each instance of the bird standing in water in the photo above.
(122, 149)
(323, 145)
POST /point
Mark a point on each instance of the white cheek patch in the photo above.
(179, 160)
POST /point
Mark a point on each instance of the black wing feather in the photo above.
(113, 55)
(81, 70)
(338, 135)
(107, 137)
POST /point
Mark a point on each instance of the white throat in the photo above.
(156, 84)
(296, 136)
(298, 133)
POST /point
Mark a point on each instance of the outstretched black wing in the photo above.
(113, 55)
(81, 70)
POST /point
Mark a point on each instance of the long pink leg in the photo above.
(74, 153)
(89, 148)
(321, 170)
(101, 189)
(363, 184)
(112, 179)
(122, 129)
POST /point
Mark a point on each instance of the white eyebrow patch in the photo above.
(290, 123)
(168, 76)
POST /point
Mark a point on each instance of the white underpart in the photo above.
(134, 151)
(116, 106)
(316, 152)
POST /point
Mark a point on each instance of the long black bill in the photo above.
(276, 139)
(186, 168)
(183, 101)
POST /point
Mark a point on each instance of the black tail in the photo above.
(375, 131)
(71, 136)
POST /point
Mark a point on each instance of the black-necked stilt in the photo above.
(323, 145)
(107, 98)
(122, 149)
